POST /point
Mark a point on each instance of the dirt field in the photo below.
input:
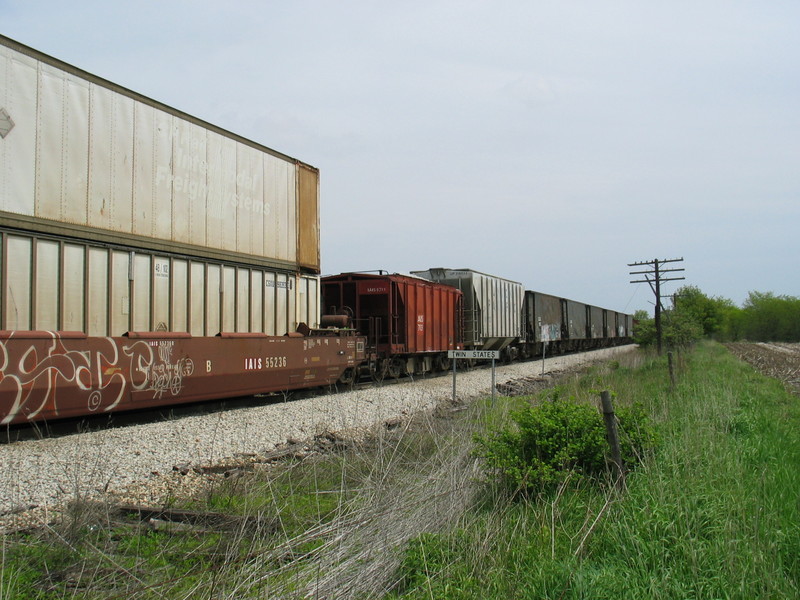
(778, 360)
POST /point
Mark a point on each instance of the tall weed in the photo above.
(712, 514)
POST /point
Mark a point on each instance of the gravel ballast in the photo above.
(41, 475)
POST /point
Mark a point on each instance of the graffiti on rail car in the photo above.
(47, 375)
(158, 374)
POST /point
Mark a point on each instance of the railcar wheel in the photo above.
(378, 372)
(396, 368)
(348, 377)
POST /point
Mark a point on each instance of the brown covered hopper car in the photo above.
(146, 257)
(409, 323)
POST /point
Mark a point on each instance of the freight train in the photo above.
(410, 322)
(149, 258)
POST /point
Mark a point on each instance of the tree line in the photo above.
(764, 317)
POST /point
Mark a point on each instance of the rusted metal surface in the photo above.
(308, 218)
(398, 314)
(47, 375)
(337, 321)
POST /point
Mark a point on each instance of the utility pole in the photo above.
(654, 277)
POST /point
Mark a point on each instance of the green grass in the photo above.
(712, 513)
(93, 554)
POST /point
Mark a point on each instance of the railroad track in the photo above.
(99, 422)
(143, 463)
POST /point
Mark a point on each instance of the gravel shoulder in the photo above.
(40, 476)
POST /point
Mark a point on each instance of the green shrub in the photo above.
(560, 437)
(637, 434)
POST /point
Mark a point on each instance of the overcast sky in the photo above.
(550, 143)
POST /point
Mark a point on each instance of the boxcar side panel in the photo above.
(101, 157)
(161, 307)
(119, 292)
(160, 226)
(281, 302)
(595, 322)
(76, 152)
(576, 320)
(221, 158)
(256, 294)
(542, 317)
(98, 292)
(142, 289)
(89, 159)
(242, 314)
(270, 303)
(188, 173)
(198, 292)
(58, 285)
(229, 299)
(73, 275)
(47, 285)
(18, 89)
(611, 323)
(180, 294)
(143, 167)
(18, 257)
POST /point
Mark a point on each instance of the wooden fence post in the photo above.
(613, 437)
(671, 371)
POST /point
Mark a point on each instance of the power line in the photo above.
(654, 277)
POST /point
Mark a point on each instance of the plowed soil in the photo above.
(778, 360)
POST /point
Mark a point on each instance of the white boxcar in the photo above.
(118, 214)
(80, 156)
(52, 283)
(492, 306)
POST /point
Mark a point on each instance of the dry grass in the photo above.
(334, 523)
(419, 478)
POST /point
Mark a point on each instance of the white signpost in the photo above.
(545, 341)
(454, 355)
(474, 354)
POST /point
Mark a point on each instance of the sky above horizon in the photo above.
(548, 142)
